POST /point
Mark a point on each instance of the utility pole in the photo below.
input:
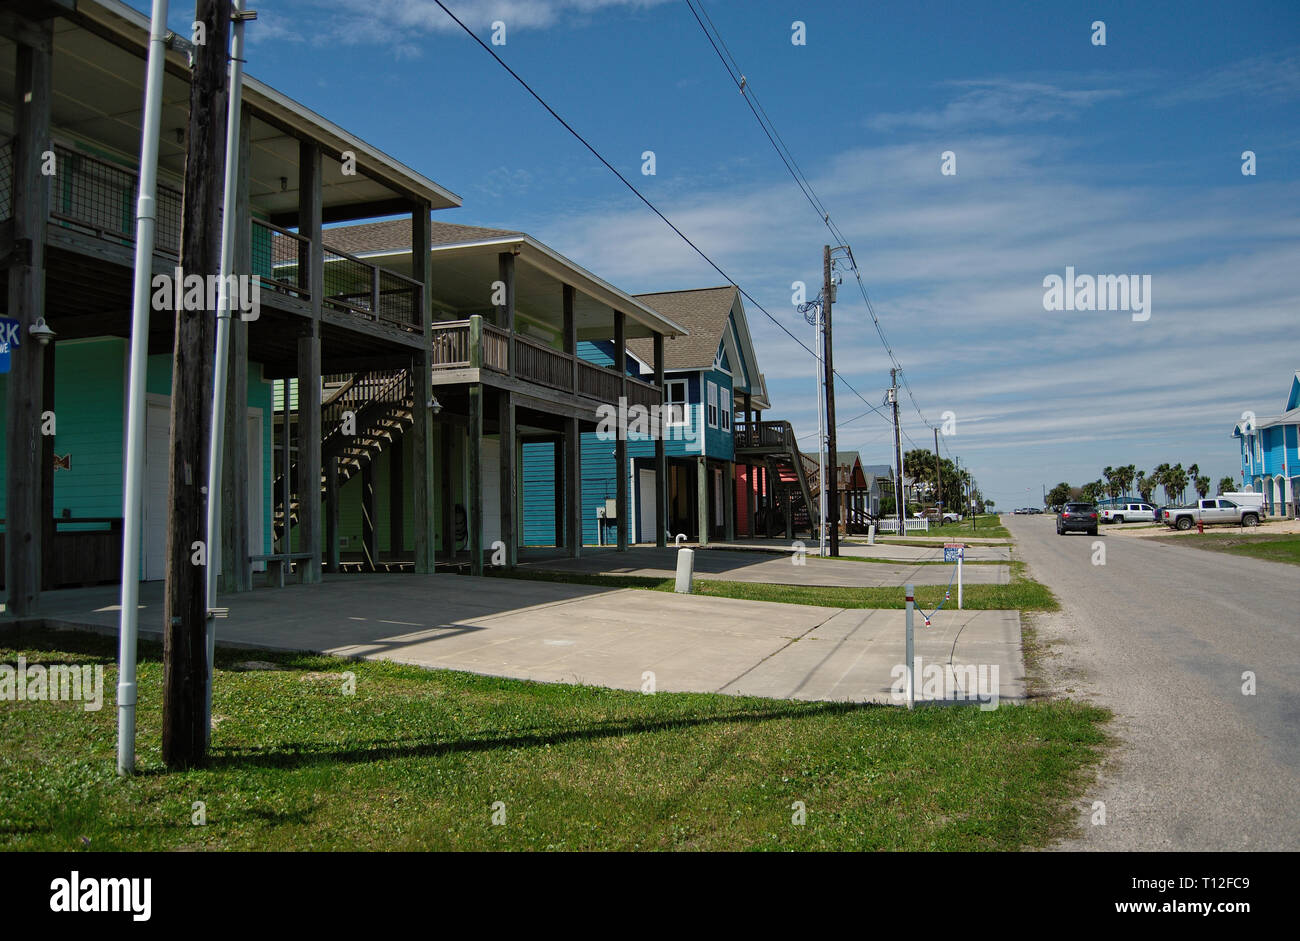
(832, 465)
(898, 454)
(938, 472)
(185, 606)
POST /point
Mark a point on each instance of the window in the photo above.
(713, 404)
(724, 412)
(675, 399)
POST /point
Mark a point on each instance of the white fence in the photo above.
(910, 526)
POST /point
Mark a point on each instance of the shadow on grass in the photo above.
(305, 754)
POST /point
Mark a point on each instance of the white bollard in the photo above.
(685, 570)
(910, 664)
(871, 534)
(961, 554)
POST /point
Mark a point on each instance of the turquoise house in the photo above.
(709, 374)
(1270, 453)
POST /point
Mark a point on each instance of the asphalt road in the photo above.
(1161, 634)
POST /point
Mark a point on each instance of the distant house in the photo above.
(1270, 459)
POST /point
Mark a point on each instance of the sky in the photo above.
(1117, 159)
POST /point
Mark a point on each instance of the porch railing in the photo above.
(96, 197)
(455, 347)
(763, 434)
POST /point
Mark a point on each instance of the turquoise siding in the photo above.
(90, 387)
(540, 493)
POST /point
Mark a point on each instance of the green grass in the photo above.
(1021, 593)
(1274, 548)
(415, 759)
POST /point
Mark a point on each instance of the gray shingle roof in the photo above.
(703, 312)
(395, 235)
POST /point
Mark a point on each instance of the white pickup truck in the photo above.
(1241, 510)
(1129, 513)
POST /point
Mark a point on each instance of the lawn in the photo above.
(416, 759)
(1274, 548)
(1021, 593)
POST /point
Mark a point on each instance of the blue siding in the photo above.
(540, 493)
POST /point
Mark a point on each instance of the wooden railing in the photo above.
(460, 344)
(763, 434)
(281, 259)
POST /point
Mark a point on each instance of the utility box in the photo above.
(611, 509)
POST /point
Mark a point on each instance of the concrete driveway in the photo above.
(764, 567)
(579, 634)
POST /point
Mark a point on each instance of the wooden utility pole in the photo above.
(938, 472)
(828, 371)
(899, 505)
(185, 613)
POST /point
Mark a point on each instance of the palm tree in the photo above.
(1202, 485)
(1124, 478)
(1174, 481)
(1144, 486)
(1108, 472)
(1227, 485)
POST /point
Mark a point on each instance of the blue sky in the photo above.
(1115, 159)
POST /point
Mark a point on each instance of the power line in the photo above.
(805, 185)
(636, 192)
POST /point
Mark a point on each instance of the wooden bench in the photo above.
(277, 563)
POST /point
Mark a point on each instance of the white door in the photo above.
(646, 517)
(254, 486)
(491, 492)
(157, 437)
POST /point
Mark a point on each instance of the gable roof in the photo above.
(703, 312)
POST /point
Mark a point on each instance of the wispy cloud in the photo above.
(1273, 78)
(986, 103)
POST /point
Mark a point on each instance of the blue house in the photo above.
(709, 374)
(1270, 461)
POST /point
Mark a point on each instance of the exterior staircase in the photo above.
(382, 406)
(772, 444)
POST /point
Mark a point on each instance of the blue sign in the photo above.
(953, 553)
(9, 331)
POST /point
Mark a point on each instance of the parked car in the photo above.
(1212, 510)
(1129, 513)
(1077, 517)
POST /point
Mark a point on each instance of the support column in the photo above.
(332, 561)
(48, 526)
(474, 485)
(661, 456)
(309, 366)
(236, 571)
(506, 311)
(396, 500)
(573, 488)
(424, 510)
(446, 430)
(620, 440)
(702, 498)
(286, 466)
(31, 207)
(570, 334)
(509, 480)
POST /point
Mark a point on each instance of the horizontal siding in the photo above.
(540, 492)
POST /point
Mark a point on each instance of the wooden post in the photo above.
(48, 525)
(474, 485)
(620, 440)
(559, 492)
(309, 368)
(445, 432)
(573, 487)
(236, 572)
(396, 500)
(729, 500)
(661, 455)
(332, 561)
(702, 498)
(369, 516)
(24, 550)
(422, 490)
(509, 492)
(185, 654)
(751, 486)
(506, 311)
(570, 334)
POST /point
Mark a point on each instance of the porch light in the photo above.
(41, 330)
(434, 405)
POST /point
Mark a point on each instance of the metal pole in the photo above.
(216, 441)
(828, 375)
(898, 455)
(821, 437)
(133, 492)
(911, 665)
(961, 555)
